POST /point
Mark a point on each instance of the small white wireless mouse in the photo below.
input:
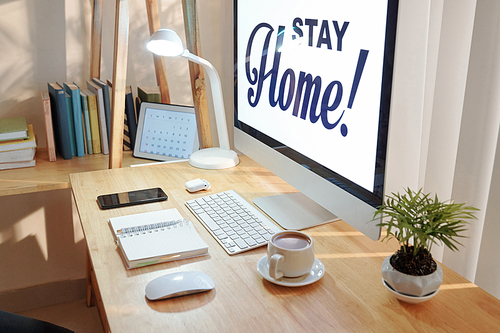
(178, 284)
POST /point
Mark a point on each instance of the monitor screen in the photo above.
(313, 83)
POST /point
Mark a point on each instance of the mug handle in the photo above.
(273, 266)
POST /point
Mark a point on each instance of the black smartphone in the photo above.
(138, 197)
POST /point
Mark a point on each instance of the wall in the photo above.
(49, 41)
(478, 159)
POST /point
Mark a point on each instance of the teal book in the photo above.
(60, 120)
(86, 122)
(107, 103)
(76, 105)
(71, 124)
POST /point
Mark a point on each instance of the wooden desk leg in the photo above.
(94, 295)
(90, 291)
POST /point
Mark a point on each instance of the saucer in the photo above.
(408, 298)
(316, 273)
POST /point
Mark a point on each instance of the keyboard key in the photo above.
(241, 243)
(219, 232)
(260, 240)
(241, 232)
(250, 241)
(208, 221)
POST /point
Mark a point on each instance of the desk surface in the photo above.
(349, 298)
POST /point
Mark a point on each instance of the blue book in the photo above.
(71, 124)
(76, 103)
(107, 103)
(60, 120)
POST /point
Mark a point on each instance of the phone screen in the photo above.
(115, 200)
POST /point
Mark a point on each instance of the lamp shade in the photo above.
(165, 42)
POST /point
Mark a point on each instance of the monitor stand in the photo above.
(294, 211)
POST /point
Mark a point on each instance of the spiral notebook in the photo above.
(155, 237)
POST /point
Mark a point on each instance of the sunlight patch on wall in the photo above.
(16, 65)
(33, 225)
(76, 50)
(5, 235)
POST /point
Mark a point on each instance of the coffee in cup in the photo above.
(290, 254)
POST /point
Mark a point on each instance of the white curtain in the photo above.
(445, 120)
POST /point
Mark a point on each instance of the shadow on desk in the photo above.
(283, 291)
(183, 303)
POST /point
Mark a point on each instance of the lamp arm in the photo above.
(218, 102)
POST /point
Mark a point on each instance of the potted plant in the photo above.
(417, 221)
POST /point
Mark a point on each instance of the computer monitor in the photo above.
(313, 84)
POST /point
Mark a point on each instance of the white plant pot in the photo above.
(409, 284)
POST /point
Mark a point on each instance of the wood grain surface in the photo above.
(349, 298)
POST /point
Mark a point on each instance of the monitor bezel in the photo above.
(375, 197)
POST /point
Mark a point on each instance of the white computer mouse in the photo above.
(178, 284)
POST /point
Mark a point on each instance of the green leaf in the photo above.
(416, 217)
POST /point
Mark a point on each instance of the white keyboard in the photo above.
(237, 225)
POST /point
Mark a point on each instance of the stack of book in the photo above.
(80, 118)
(17, 143)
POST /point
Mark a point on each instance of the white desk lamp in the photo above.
(166, 42)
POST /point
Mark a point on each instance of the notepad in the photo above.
(155, 237)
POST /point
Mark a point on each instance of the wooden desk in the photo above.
(349, 298)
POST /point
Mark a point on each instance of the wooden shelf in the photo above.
(46, 176)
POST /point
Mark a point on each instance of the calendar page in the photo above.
(166, 132)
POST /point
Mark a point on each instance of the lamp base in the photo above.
(214, 158)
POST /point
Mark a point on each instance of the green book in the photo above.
(86, 122)
(149, 94)
(13, 129)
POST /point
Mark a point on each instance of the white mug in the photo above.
(290, 253)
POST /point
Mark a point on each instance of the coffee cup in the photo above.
(290, 253)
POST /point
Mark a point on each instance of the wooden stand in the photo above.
(96, 40)
(119, 83)
(161, 70)
(120, 69)
(196, 72)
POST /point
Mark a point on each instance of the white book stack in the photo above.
(17, 146)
